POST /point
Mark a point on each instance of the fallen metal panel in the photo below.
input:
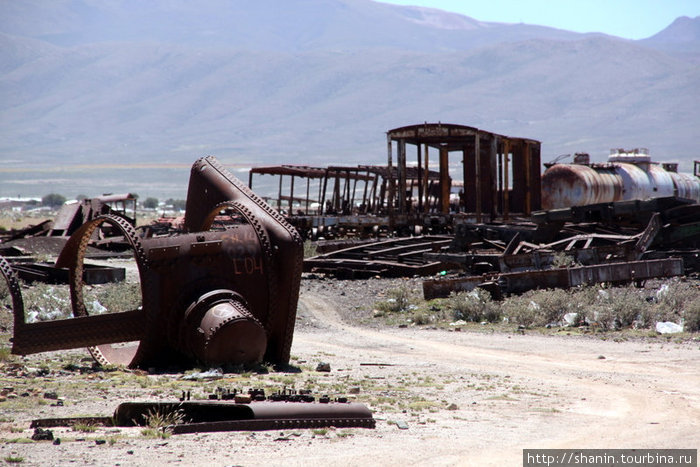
(350, 268)
(625, 272)
(518, 282)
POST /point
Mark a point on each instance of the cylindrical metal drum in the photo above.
(662, 182)
(686, 185)
(566, 185)
(636, 184)
(627, 176)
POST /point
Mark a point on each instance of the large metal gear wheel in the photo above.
(73, 255)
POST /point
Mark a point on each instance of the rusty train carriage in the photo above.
(344, 199)
(501, 174)
(500, 179)
(309, 174)
(362, 189)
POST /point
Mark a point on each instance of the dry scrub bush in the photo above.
(691, 315)
(399, 300)
(562, 260)
(44, 302)
(672, 298)
(542, 307)
(113, 297)
(5, 297)
(476, 306)
(609, 308)
(520, 310)
(309, 249)
(626, 305)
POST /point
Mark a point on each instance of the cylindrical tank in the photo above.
(566, 185)
(662, 182)
(628, 175)
(687, 185)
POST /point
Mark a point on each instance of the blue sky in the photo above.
(631, 19)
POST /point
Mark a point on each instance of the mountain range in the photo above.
(319, 82)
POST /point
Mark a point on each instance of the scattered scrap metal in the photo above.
(75, 213)
(607, 242)
(347, 201)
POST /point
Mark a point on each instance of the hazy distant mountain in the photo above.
(682, 35)
(292, 25)
(320, 81)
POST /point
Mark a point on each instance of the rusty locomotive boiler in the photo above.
(628, 175)
(208, 297)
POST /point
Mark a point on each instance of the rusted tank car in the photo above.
(628, 175)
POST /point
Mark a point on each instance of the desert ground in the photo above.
(440, 396)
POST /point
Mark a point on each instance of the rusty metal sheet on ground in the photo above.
(519, 282)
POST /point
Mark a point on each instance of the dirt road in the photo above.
(442, 398)
(547, 392)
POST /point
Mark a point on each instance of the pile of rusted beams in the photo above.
(629, 241)
(391, 258)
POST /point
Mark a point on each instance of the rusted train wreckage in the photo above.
(499, 236)
(501, 180)
(628, 175)
(510, 220)
(503, 218)
(214, 297)
(209, 297)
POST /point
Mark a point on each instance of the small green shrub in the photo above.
(627, 306)
(84, 428)
(562, 260)
(309, 249)
(5, 297)
(552, 304)
(5, 354)
(155, 433)
(399, 300)
(672, 298)
(162, 419)
(476, 306)
(422, 317)
(521, 310)
(113, 297)
(691, 315)
(45, 302)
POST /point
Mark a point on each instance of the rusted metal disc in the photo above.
(219, 328)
